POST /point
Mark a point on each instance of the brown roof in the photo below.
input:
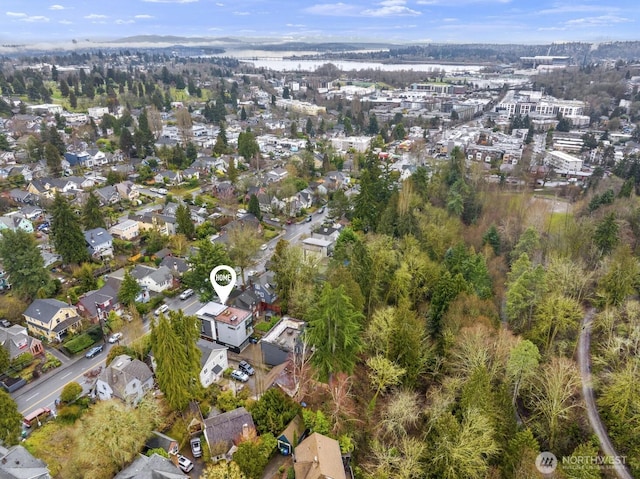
(318, 457)
(227, 427)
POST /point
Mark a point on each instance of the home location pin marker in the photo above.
(223, 279)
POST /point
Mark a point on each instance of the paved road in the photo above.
(584, 362)
(44, 391)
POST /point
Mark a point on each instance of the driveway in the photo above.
(584, 363)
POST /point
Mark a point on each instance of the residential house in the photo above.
(127, 190)
(157, 440)
(225, 431)
(329, 234)
(248, 300)
(97, 304)
(207, 316)
(126, 379)
(316, 248)
(305, 198)
(291, 436)
(282, 341)
(334, 180)
(15, 222)
(108, 195)
(213, 362)
(190, 173)
(31, 212)
(152, 220)
(277, 174)
(99, 242)
(168, 177)
(50, 258)
(51, 319)
(154, 279)
(234, 327)
(22, 196)
(97, 157)
(264, 287)
(16, 341)
(177, 266)
(18, 463)
(318, 457)
(126, 230)
(154, 467)
(76, 159)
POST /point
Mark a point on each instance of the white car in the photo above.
(240, 376)
(115, 337)
(186, 293)
(252, 272)
(162, 309)
(184, 463)
(264, 247)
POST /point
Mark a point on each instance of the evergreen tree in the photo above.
(254, 207)
(243, 114)
(247, 145)
(232, 171)
(207, 257)
(373, 128)
(334, 332)
(53, 158)
(65, 229)
(92, 213)
(184, 224)
(10, 420)
(222, 145)
(126, 142)
(23, 262)
(129, 290)
(174, 341)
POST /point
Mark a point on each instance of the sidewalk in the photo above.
(66, 363)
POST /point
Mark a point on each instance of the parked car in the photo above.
(184, 463)
(115, 337)
(186, 294)
(252, 272)
(94, 351)
(246, 368)
(4, 323)
(162, 309)
(309, 219)
(264, 247)
(196, 447)
(239, 376)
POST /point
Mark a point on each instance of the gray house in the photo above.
(264, 288)
(154, 467)
(224, 431)
(126, 379)
(18, 463)
(99, 242)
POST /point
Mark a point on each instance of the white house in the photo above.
(213, 362)
(156, 280)
(126, 230)
(99, 242)
(126, 379)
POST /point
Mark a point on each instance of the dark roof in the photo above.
(175, 264)
(227, 427)
(44, 309)
(206, 348)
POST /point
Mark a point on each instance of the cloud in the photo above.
(220, 4)
(56, 7)
(95, 16)
(601, 21)
(386, 8)
(242, 14)
(119, 21)
(143, 17)
(295, 25)
(457, 3)
(558, 9)
(35, 19)
(16, 14)
(66, 22)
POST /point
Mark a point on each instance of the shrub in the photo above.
(79, 343)
(70, 413)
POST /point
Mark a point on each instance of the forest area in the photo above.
(445, 328)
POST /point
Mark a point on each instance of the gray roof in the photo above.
(227, 427)
(154, 467)
(122, 371)
(17, 463)
(44, 309)
(97, 236)
(206, 348)
(174, 263)
(15, 340)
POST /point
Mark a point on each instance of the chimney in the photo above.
(245, 431)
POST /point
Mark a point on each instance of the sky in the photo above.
(397, 21)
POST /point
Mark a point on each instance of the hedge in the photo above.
(79, 343)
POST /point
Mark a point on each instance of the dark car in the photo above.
(94, 351)
(246, 368)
